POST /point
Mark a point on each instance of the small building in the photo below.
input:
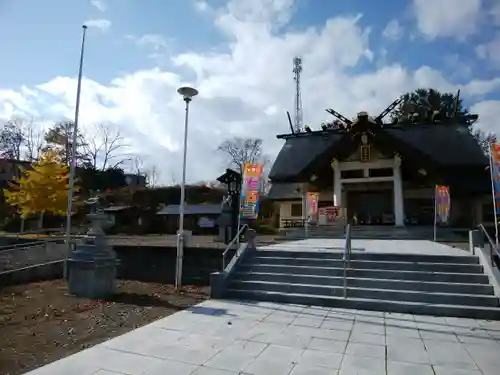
(124, 219)
(378, 173)
(198, 218)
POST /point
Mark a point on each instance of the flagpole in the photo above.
(435, 213)
(493, 195)
(72, 167)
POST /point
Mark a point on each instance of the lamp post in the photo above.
(187, 94)
(72, 167)
(236, 192)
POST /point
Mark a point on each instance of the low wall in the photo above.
(157, 264)
(142, 263)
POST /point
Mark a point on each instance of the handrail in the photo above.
(493, 246)
(347, 255)
(233, 241)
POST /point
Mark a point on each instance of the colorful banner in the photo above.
(331, 212)
(312, 206)
(250, 189)
(495, 175)
(442, 203)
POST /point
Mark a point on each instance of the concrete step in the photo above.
(438, 287)
(481, 312)
(447, 277)
(367, 293)
(358, 255)
(370, 264)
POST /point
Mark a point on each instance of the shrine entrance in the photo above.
(368, 206)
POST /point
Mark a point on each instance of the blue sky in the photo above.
(43, 37)
(355, 52)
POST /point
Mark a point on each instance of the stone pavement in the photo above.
(260, 338)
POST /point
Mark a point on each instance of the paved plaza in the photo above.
(259, 338)
(420, 247)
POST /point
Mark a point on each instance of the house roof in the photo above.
(192, 209)
(443, 144)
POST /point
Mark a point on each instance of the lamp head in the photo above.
(187, 92)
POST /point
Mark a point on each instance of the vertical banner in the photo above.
(250, 189)
(312, 206)
(441, 206)
(442, 203)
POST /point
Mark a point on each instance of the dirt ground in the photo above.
(41, 322)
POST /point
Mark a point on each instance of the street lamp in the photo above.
(187, 94)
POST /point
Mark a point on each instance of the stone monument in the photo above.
(92, 264)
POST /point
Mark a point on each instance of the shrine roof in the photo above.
(446, 145)
(283, 191)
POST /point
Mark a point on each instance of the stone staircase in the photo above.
(375, 232)
(444, 285)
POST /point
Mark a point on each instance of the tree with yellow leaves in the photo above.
(42, 189)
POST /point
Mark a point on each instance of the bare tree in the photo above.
(241, 151)
(152, 175)
(138, 165)
(484, 139)
(11, 139)
(173, 179)
(60, 139)
(105, 148)
(33, 140)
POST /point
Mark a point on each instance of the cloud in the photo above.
(495, 13)
(154, 41)
(99, 4)
(245, 89)
(458, 66)
(489, 111)
(490, 51)
(447, 18)
(101, 24)
(393, 30)
(202, 6)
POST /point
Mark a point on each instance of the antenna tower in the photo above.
(297, 69)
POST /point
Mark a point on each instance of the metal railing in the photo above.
(346, 256)
(32, 254)
(236, 239)
(493, 247)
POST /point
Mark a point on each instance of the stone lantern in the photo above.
(92, 264)
(228, 221)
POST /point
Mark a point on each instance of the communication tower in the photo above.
(297, 69)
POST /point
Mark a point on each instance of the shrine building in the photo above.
(383, 174)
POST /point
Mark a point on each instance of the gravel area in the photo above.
(41, 322)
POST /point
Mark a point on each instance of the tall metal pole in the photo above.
(73, 149)
(435, 213)
(493, 192)
(180, 234)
